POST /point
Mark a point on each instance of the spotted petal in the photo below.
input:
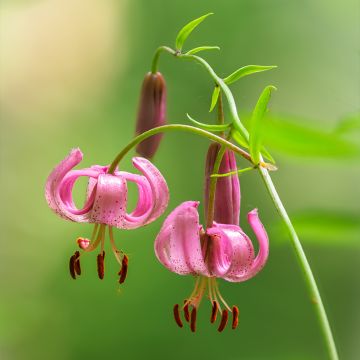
(244, 265)
(59, 185)
(178, 245)
(153, 194)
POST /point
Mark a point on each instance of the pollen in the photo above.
(177, 315)
(235, 321)
(224, 319)
(100, 265)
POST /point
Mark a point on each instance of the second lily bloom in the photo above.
(222, 250)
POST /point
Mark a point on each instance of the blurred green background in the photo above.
(70, 75)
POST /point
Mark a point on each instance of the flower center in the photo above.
(191, 305)
(98, 238)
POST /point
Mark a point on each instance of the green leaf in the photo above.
(214, 98)
(237, 172)
(241, 141)
(209, 127)
(187, 29)
(257, 124)
(326, 227)
(246, 70)
(293, 136)
(348, 124)
(201, 48)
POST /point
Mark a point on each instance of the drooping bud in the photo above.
(151, 113)
(227, 194)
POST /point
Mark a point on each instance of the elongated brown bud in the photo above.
(235, 321)
(177, 315)
(186, 311)
(224, 319)
(151, 113)
(72, 267)
(193, 319)
(124, 269)
(227, 195)
(214, 311)
(77, 263)
(100, 265)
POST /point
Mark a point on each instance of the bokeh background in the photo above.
(70, 75)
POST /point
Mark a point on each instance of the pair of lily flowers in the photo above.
(183, 245)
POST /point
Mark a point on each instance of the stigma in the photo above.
(219, 308)
(98, 241)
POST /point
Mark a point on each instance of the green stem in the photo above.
(156, 57)
(175, 127)
(314, 293)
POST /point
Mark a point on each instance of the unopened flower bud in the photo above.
(227, 194)
(151, 113)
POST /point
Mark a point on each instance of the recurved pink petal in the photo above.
(110, 201)
(55, 177)
(59, 185)
(219, 251)
(153, 194)
(178, 245)
(245, 266)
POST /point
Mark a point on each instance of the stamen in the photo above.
(186, 310)
(235, 321)
(193, 319)
(100, 265)
(77, 267)
(177, 315)
(72, 267)
(124, 269)
(214, 311)
(224, 319)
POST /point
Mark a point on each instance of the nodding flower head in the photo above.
(221, 251)
(151, 113)
(105, 204)
(227, 194)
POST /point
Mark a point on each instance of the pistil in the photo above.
(98, 238)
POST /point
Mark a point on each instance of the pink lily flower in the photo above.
(221, 251)
(106, 203)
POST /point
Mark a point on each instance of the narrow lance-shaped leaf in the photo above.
(257, 124)
(348, 124)
(299, 137)
(246, 70)
(240, 140)
(214, 98)
(325, 227)
(201, 48)
(187, 29)
(209, 127)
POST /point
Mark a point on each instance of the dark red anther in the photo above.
(177, 315)
(235, 321)
(77, 263)
(214, 311)
(124, 269)
(72, 267)
(100, 265)
(186, 311)
(224, 319)
(193, 319)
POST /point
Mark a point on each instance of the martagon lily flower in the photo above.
(221, 251)
(106, 204)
